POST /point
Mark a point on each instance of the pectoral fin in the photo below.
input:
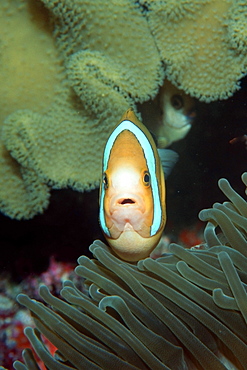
(168, 160)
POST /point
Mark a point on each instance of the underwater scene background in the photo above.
(66, 81)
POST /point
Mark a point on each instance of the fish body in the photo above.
(132, 196)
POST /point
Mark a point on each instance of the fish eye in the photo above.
(105, 180)
(146, 178)
(177, 101)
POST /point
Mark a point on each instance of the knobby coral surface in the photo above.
(203, 44)
(81, 80)
(73, 67)
(185, 310)
(29, 76)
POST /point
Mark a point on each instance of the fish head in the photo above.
(132, 199)
(170, 115)
(177, 117)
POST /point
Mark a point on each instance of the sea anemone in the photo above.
(184, 310)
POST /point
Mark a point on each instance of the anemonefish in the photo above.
(132, 196)
(172, 114)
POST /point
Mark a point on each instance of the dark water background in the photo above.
(70, 224)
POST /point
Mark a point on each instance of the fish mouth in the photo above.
(180, 126)
(180, 121)
(126, 201)
(127, 212)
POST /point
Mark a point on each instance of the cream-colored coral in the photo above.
(107, 46)
(203, 44)
(62, 146)
(30, 72)
(29, 59)
(237, 26)
(63, 87)
(22, 194)
(108, 67)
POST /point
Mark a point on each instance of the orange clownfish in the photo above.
(132, 195)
